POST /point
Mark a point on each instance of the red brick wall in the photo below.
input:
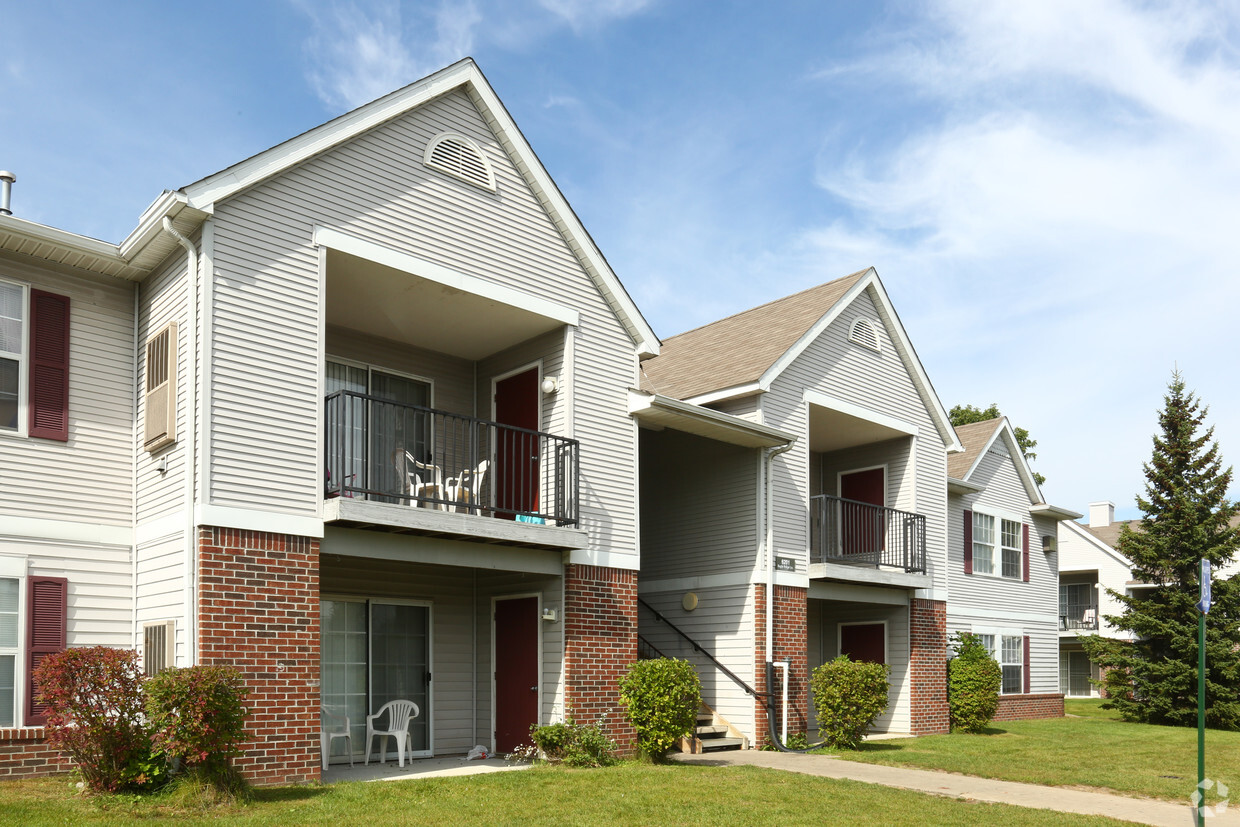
(791, 644)
(24, 753)
(258, 610)
(1020, 707)
(928, 666)
(600, 643)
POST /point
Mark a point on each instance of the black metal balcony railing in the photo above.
(847, 531)
(1075, 615)
(386, 451)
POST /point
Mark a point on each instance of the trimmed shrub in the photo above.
(662, 697)
(848, 696)
(197, 715)
(973, 681)
(577, 745)
(94, 700)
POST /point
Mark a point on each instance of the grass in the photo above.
(627, 794)
(1095, 749)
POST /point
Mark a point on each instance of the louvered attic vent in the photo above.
(865, 333)
(460, 157)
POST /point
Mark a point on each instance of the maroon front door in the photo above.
(516, 671)
(516, 404)
(862, 527)
(866, 642)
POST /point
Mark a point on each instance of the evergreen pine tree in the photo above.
(1186, 517)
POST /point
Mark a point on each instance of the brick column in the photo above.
(928, 666)
(791, 644)
(600, 643)
(258, 611)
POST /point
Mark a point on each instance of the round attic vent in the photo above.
(865, 333)
(460, 157)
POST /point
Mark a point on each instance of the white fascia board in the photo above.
(1054, 512)
(734, 392)
(370, 251)
(895, 329)
(253, 519)
(1088, 537)
(646, 342)
(206, 192)
(723, 427)
(822, 400)
(1018, 459)
(60, 238)
(964, 487)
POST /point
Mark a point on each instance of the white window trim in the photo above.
(996, 548)
(997, 635)
(14, 568)
(23, 365)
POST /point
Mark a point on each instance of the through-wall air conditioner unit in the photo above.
(160, 420)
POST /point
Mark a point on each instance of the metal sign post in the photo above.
(1203, 608)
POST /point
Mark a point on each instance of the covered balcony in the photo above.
(1078, 605)
(442, 412)
(860, 534)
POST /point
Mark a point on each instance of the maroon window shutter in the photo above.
(1024, 556)
(47, 614)
(49, 365)
(968, 542)
(1025, 666)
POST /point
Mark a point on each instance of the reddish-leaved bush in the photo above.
(197, 714)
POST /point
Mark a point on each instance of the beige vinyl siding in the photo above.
(699, 506)
(160, 588)
(547, 349)
(722, 624)
(451, 378)
(824, 618)
(266, 306)
(747, 407)
(1079, 554)
(1043, 645)
(87, 479)
(161, 299)
(878, 382)
(895, 454)
(460, 602)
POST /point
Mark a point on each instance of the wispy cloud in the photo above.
(1070, 204)
(359, 51)
(587, 14)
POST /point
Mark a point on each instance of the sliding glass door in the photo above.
(373, 652)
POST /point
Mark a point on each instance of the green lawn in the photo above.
(1093, 750)
(628, 794)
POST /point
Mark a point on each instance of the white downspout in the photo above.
(768, 456)
(191, 447)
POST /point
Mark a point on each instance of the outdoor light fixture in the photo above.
(550, 384)
(548, 614)
(689, 602)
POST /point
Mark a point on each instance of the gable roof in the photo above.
(744, 353)
(147, 246)
(975, 438)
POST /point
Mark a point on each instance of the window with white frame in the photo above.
(1009, 651)
(12, 354)
(983, 543)
(10, 597)
(1010, 548)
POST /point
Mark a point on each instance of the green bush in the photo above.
(94, 701)
(848, 696)
(197, 715)
(662, 697)
(577, 745)
(973, 681)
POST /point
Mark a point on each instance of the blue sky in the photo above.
(1048, 190)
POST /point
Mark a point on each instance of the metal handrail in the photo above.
(697, 647)
(849, 531)
(386, 451)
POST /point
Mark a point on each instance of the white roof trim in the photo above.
(462, 74)
(1055, 512)
(368, 250)
(963, 487)
(60, 238)
(734, 392)
(1087, 535)
(706, 422)
(822, 400)
(1018, 460)
(917, 372)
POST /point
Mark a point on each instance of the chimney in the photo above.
(1101, 514)
(7, 179)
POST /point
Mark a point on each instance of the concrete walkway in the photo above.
(1064, 800)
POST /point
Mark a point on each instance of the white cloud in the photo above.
(359, 51)
(588, 14)
(1061, 232)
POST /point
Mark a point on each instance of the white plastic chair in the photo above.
(331, 726)
(419, 479)
(467, 488)
(400, 713)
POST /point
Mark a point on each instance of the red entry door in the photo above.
(516, 671)
(862, 527)
(865, 642)
(516, 404)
